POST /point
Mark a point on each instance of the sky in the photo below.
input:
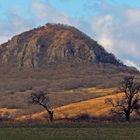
(115, 24)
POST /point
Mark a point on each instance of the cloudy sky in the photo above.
(115, 24)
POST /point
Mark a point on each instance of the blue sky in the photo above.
(115, 24)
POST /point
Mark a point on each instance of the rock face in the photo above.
(53, 43)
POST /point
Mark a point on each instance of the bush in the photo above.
(82, 117)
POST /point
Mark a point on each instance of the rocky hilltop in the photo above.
(53, 43)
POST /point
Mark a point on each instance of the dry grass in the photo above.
(20, 100)
(3, 110)
(94, 107)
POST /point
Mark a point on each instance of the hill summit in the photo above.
(53, 43)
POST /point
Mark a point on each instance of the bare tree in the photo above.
(42, 99)
(129, 102)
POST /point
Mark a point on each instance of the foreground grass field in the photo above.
(73, 131)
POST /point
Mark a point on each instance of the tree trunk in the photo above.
(51, 115)
(127, 116)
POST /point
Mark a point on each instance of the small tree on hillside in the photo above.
(42, 99)
(130, 100)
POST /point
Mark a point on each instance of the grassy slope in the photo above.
(94, 107)
(58, 99)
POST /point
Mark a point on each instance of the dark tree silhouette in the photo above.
(129, 101)
(42, 99)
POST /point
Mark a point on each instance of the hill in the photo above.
(53, 43)
(59, 59)
(59, 56)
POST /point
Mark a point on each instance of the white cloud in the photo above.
(106, 42)
(132, 15)
(103, 26)
(40, 10)
(131, 63)
(47, 13)
(119, 36)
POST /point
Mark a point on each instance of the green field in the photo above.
(74, 131)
